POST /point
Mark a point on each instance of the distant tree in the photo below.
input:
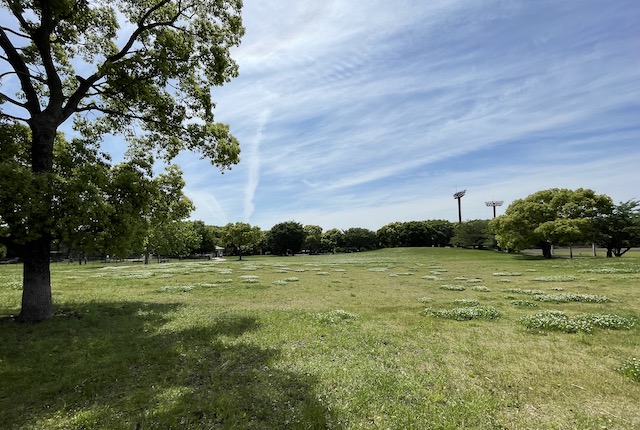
(287, 237)
(620, 231)
(173, 239)
(359, 239)
(333, 240)
(241, 236)
(473, 234)
(210, 237)
(554, 216)
(389, 235)
(143, 69)
(417, 233)
(443, 232)
(169, 207)
(313, 238)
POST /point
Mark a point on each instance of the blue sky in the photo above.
(357, 114)
(361, 113)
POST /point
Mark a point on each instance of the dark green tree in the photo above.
(241, 236)
(417, 233)
(333, 240)
(389, 235)
(313, 239)
(473, 234)
(287, 238)
(210, 237)
(359, 239)
(554, 216)
(620, 231)
(142, 69)
(443, 232)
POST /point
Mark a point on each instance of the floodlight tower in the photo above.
(494, 203)
(458, 196)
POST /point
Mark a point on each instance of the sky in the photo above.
(361, 113)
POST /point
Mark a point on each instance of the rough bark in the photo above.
(37, 304)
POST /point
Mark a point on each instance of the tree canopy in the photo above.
(241, 236)
(553, 216)
(286, 238)
(142, 69)
(620, 231)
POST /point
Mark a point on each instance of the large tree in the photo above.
(313, 239)
(554, 216)
(620, 231)
(286, 238)
(473, 234)
(241, 236)
(140, 68)
(360, 239)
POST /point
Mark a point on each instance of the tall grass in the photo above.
(247, 345)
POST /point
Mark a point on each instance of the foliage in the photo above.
(553, 216)
(313, 238)
(415, 233)
(287, 238)
(210, 237)
(241, 236)
(389, 235)
(559, 321)
(473, 234)
(168, 233)
(332, 239)
(99, 209)
(465, 313)
(631, 369)
(359, 239)
(620, 231)
(140, 69)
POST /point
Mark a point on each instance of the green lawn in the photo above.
(353, 341)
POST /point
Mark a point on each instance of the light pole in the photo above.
(458, 196)
(494, 203)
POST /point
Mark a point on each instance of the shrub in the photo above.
(524, 303)
(631, 369)
(570, 297)
(465, 313)
(559, 321)
(557, 278)
(452, 287)
(466, 302)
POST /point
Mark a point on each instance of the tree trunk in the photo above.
(37, 304)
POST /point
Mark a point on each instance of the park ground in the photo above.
(395, 339)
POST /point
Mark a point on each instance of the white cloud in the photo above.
(378, 110)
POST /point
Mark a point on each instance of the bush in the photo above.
(631, 369)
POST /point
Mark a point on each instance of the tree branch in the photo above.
(81, 92)
(13, 101)
(19, 66)
(41, 37)
(9, 30)
(15, 118)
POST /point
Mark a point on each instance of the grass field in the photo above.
(392, 339)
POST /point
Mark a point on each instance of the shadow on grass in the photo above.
(121, 365)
